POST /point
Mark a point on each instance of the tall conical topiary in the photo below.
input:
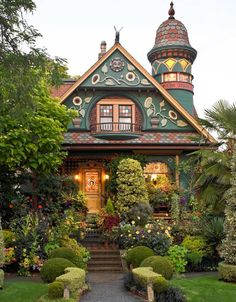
(227, 269)
(131, 185)
(2, 258)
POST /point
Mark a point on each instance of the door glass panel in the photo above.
(91, 182)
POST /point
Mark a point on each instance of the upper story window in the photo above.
(106, 117)
(116, 118)
(177, 76)
(125, 117)
(115, 115)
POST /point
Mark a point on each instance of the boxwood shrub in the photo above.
(137, 254)
(55, 290)
(160, 265)
(227, 272)
(69, 254)
(53, 268)
(143, 275)
(74, 280)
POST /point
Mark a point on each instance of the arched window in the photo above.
(158, 173)
(115, 114)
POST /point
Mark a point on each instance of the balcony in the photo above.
(116, 131)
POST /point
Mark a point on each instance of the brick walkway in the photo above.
(108, 287)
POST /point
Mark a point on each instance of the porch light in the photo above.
(153, 176)
(77, 177)
(107, 177)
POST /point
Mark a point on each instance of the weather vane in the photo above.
(117, 39)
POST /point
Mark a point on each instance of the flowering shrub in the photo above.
(31, 234)
(10, 255)
(155, 235)
(140, 213)
(77, 248)
(160, 194)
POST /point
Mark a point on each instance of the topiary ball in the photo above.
(55, 290)
(160, 265)
(137, 254)
(53, 268)
(69, 254)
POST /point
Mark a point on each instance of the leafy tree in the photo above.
(31, 121)
(131, 187)
(213, 166)
(228, 249)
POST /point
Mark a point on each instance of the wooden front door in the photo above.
(92, 187)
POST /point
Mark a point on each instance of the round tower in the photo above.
(172, 57)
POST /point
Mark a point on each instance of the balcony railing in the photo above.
(115, 128)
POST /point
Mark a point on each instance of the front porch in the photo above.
(95, 176)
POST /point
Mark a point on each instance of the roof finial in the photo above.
(171, 11)
(117, 39)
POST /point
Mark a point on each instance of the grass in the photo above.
(197, 289)
(207, 289)
(20, 291)
(30, 291)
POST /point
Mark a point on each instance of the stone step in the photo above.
(105, 269)
(98, 261)
(104, 252)
(102, 263)
(106, 257)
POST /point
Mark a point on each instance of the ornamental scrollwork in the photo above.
(171, 116)
(80, 103)
(130, 78)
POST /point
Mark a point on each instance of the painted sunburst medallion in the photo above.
(117, 64)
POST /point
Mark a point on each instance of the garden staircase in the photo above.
(104, 257)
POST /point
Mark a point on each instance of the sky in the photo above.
(74, 29)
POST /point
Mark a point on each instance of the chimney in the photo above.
(103, 47)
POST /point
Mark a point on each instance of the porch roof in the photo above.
(147, 138)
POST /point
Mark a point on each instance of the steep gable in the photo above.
(118, 70)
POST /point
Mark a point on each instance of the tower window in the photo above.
(177, 77)
(183, 77)
(169, 77)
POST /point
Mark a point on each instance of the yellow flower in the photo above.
(149, 231)
(169, 228)
(137, 232)
(133, 222)
(129, 235)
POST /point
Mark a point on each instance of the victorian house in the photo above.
(123, 109)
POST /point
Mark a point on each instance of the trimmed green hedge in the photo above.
(74, 280)
(55, 290)
(69, 254)
(161, 265)
(144, 275)
(227, 272)
(53, 268)
(137, 254)
(1, 278)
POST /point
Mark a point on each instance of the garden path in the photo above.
(108, 287)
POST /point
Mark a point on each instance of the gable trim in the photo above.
(172, 101)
